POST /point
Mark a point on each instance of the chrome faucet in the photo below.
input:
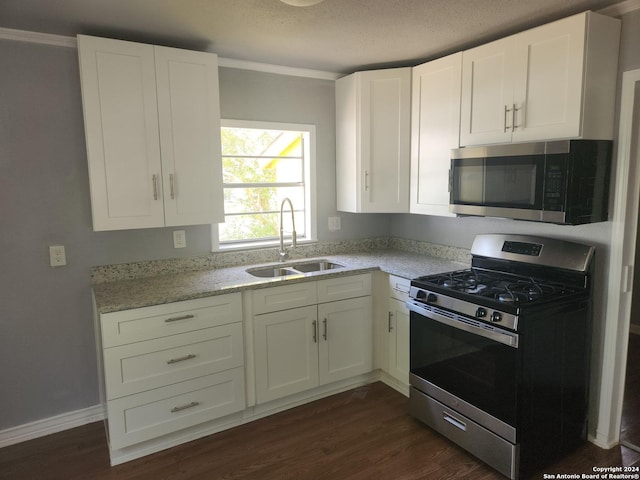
(283, 254)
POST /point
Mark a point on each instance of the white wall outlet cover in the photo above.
(57, 256)
(334, 224)
(179, 239)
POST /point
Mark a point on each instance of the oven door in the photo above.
(465, 363)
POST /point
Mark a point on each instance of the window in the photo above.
(262, 164)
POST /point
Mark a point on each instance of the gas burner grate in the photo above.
(502, 287)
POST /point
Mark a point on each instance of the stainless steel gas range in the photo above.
(499, 355)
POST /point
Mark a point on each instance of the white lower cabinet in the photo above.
(302, 347)
(173, 366)
(398, 330)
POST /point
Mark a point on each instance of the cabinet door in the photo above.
(548, 66)
(121, 129)
(189, 119)
(385, 116)
(345, 343)
(373, 115)
(286, 352)
(487, 94)
(435, 127)
(398, 330)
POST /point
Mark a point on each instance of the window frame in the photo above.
(309, 185)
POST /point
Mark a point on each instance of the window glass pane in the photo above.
(250, 227)
(262, 170)
(261, 199)
(260, 226)
(251, 141)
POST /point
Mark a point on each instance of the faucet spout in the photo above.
(283, 254)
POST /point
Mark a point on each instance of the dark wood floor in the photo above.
(361, 434)
(630, 427)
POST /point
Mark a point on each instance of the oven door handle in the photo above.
(509, 339)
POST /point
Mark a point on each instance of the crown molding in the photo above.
(70, 42)
(278, 69)
(36, 37)
(620, 9)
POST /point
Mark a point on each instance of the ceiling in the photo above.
(339, 36)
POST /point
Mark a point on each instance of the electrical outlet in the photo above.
(57, 256)
(334, 224)
(179, 239)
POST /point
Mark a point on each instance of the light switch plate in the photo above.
(179, 239)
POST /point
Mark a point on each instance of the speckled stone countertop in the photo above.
(173, 287)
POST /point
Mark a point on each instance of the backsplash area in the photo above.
(129, 271)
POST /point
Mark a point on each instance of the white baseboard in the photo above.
(47, 426)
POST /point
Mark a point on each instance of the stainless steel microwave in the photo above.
(564, 182)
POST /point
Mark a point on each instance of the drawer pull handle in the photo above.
(390, 324)
(324, 323)
(184, 407)
(401, 290)
(181, 359)
(314, 325)
(455, 422)
(175, 319)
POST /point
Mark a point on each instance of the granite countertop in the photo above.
(160, 289)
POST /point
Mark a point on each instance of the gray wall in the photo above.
(47, 346)
(46, 332)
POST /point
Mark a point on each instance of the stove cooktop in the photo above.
(500, 287)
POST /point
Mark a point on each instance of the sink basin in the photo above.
(316, 266)
(271, 272)
(296, 269)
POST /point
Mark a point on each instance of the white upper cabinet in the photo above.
(554, 81)
(152, 125)
(435, 125)
(373, 115)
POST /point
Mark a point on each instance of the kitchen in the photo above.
(49, 343)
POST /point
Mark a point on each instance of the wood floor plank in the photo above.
(362, 434)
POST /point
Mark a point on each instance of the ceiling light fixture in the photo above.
(301, 3)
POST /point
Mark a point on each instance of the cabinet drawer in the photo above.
(341, 288)
(152, 364)
(399, 288)
(119, 328)
(136, 418)
(282, 298)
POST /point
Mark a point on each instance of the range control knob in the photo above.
(432, 298)
(421, 294)
(481, 312)
(496, 317)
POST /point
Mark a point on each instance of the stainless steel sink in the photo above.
(316, 266)
(271, 272)
(295, 269)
